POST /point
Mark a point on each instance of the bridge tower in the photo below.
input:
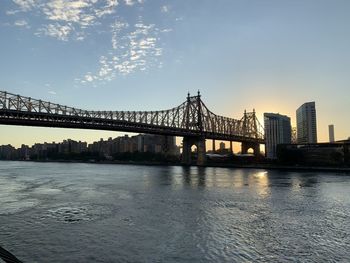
(250, 129)
(194, 121)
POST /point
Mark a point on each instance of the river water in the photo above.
(59, 212)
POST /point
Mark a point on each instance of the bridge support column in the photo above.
(186, 151)
(201, 151)
(250, 145)
(187, 143)
(231, 148)
(213, 148)
(167, 145)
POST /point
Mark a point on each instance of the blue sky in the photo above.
(271, 55)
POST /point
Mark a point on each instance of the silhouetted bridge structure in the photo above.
(192, 120)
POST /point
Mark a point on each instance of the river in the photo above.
(69, 212)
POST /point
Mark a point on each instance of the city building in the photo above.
(157, 144)
(141, 143)
(70, 146)
(315, 154)
(7, 152)
(294, 135)
(105, 149)
(277, 131)
(24, 152)
(306, 123)
(331, 133)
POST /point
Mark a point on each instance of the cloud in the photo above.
(129, 2)
(133, 47)
(108, 9)
(71, 18)
(132, 2)
(166, 30)
(25, 5)
(165, 9)
(52, 92)
(116, 28)
(77, 15)
(12, 12)
(89, 77)
(61, 32)
(68, 11)
(134, 44)
(65, 19)
(21, 23)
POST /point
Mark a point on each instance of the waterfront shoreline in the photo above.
(220, 165)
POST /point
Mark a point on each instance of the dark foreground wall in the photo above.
(324, 154)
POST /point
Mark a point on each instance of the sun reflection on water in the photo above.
(260, 182)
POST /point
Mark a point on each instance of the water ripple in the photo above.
(117, 213)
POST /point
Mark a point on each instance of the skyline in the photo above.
(271, 56)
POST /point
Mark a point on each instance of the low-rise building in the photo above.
(318, 154)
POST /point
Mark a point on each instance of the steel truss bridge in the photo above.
(191, 120)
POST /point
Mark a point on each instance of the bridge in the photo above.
(191, 120)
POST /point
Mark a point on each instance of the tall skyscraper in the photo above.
(277, 131)
(331, 133)
(306, 123)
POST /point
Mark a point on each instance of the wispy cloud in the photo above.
(21, 23)
(50, 90)
(134, 44)
(132, 2)
(165, 9)
(66, 19)
(108, 9)
(12, 12)
(61, 32)
(133, 47)
(71, 18)
(25, 5)
(68, 11)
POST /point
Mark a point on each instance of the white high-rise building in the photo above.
(306, 123)
(277, 131)
(331, 133)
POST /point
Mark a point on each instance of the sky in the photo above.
(267, 55)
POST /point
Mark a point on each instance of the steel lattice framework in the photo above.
(191, 118)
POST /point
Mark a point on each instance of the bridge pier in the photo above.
(167, 145)
(245, 146)
(187, 143)
(186, 151)
(201, 151)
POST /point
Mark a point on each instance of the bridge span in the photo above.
(191, 120)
